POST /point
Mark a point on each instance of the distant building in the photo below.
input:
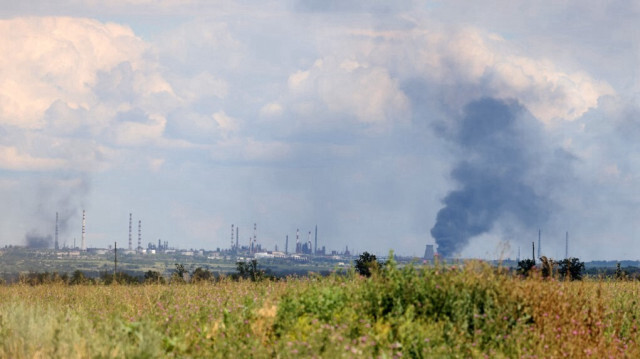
(428, 252)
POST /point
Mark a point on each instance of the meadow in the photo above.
(441, 311)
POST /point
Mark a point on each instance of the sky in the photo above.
(389, 125)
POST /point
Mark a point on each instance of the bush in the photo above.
(400, 307)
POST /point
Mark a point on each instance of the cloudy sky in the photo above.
(390, 125)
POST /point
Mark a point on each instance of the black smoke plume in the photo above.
(35, 240)
(65, 195)
(499, 144)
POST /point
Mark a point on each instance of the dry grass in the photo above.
(474, 311)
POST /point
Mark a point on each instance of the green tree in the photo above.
(201, 275)
(366, 264)
(571, 268)
(180, 274)
(152, 276)
(525, 266)
(249, 270)
(78, 278)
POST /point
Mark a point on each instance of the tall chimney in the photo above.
(316, 242)
(237, 238)
(130, 243)
(232, 241)
(255, 241)
(55, 244)
(539, 244)
(286, 245)
(83, 243)
(533, 251)
(139, 235)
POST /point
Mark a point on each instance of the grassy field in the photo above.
(414, 311)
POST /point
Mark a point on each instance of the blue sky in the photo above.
(365, 118)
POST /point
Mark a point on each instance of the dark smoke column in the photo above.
(498, 143)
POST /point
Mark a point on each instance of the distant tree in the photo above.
(249, 270)
(620, 274)
(201, 275)
(525, 266)
(180, 274)
(78, 278)
(108, 278)
(366, 263)
(571, 268)
(153, 277)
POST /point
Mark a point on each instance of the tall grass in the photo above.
(473, 310)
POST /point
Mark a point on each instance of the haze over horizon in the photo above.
(381, 122)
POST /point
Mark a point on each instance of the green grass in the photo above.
(431, 312)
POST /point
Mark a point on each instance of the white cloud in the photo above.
(12, 159)
(480, 64)
(251, 150)
(367, 93)
(225, 123)
(272, 109)
(57, 59)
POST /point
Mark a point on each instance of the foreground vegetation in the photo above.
(433, 311)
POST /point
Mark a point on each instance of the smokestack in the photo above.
(232, 241)
(139, 235)
(539, 245)
(237, 238)
(566, 246)
(286, 245)
(130, 244)
(55, 244)
(316, 242)
(83, 243)
(255, 241)
(428, 252)
(533, 251)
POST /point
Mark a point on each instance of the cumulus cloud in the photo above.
(470, 63)
(365, 93)
(57, 59)
(12, 159)
(90, 86)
